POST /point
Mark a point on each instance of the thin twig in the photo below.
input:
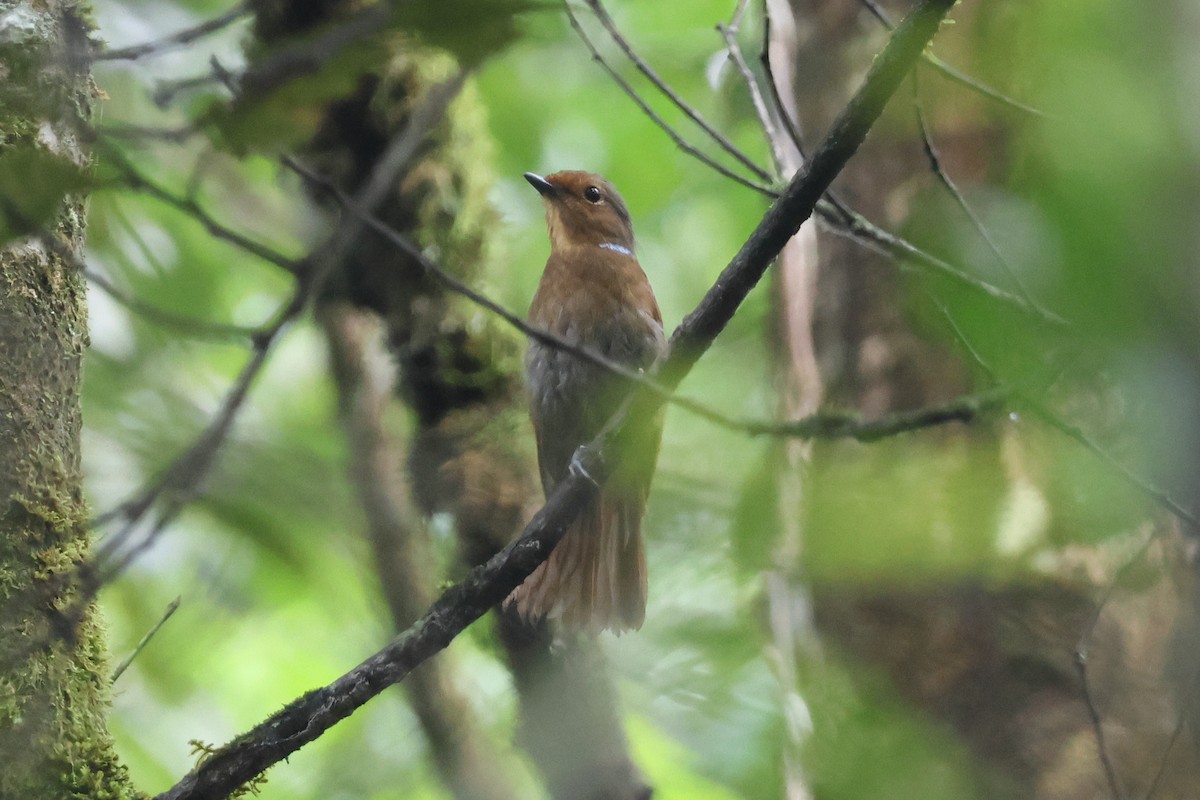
(145, 640)
(1081, 655)
(954, 74)
(833, 212)
(181, 479)
(165, 92)
(831, 425)
(935, 165)
(675, 137)
(1029, 401)
(189, 325)
(308, 717)
(1110, 773)
(729, 147)
(847, 222)
(137, 181)
(1162, 765)
(729, 35)
(177, 39)
(785, 109)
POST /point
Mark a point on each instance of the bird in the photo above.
(593, 293)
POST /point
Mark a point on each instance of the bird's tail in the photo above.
(595, 579)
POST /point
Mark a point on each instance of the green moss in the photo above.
(54, 688)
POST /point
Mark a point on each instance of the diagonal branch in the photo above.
(950, 72)
(184, 323)
(177, 39)
(308, 717)
(652, 76)
(190, 206)
(939, 171)
(1043, 412)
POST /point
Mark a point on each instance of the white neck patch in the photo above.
(617, 248)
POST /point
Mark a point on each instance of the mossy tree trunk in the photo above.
(54, 684)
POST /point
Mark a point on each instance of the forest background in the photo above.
(931, 533)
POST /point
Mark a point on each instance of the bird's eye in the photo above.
(592, 194)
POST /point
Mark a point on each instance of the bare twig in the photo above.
(1029, 401)
(192, 326)
(177, 39)
(849, 223)
(935, 165)
(1110, 774)
(679, 141)
(729, 35)
(1081, 655)
(165, 92)
(308, 717)
(831, 425)
(786, 106)
(950, 72)
(172, 607)
(1162, 765)
(190, 206)
(729, 147)
(830, 210)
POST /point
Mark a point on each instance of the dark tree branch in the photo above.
(310, 716)
(175, 40)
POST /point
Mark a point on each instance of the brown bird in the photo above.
(593, 293)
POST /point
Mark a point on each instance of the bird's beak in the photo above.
(545, 188)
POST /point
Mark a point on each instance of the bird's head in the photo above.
(583, 209)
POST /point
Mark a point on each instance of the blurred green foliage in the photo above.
(1095, 207)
